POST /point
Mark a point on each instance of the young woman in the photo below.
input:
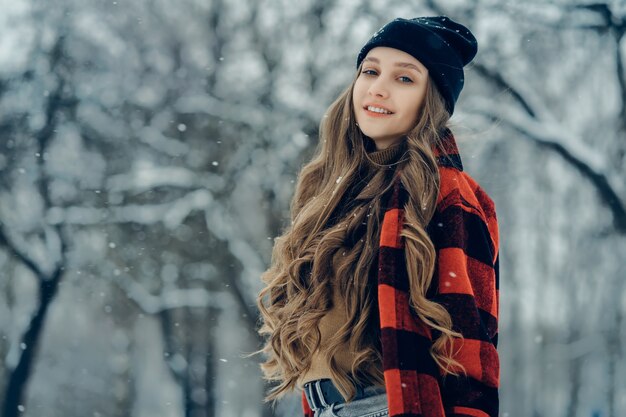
(382, 297)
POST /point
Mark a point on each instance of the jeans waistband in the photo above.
(321, 393)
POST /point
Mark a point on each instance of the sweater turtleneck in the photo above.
(383, 158)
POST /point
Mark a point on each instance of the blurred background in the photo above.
(148, 153)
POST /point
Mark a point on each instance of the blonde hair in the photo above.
(304, 265)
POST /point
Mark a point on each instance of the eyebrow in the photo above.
(397, 64)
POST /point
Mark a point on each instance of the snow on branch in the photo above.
(171, 213)
(251, 116)
(145, 176)
(15, 251)
(153, 137)
(169, 299)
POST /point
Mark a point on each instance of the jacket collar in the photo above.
(448, 155)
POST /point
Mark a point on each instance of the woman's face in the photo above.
(388, 94)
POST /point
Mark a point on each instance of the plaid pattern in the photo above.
(464, 231)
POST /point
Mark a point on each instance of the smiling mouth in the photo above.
(377, 110)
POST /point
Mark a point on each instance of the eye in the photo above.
(405, 79)
(369, 72)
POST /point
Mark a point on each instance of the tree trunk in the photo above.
(18, 377)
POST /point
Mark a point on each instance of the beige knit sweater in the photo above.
(336, 316)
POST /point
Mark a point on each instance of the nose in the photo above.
(378, 88)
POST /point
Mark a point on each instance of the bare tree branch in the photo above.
(556, 138)
(616, 26)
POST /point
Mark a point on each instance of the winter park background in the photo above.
(148, 152)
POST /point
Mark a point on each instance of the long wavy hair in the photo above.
(323, 249)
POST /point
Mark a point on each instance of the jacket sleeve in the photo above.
(466, 281)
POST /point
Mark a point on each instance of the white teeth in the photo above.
(378, 110)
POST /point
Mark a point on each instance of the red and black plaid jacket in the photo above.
(464, 231)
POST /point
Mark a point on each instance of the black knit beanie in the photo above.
(439, 43)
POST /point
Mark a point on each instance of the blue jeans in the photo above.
(373, 404)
